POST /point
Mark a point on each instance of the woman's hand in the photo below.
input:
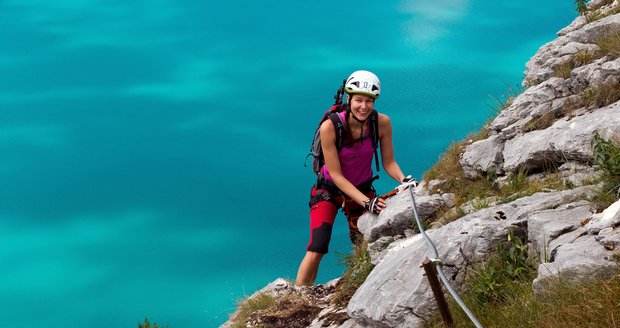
(408, 182)
(374, 205)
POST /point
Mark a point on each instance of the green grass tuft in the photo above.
(582, 57)
(610, 44)
(359, 267)
(601, 95)
(499, 103)
(250, 306)
(589, 303)
(563, 70)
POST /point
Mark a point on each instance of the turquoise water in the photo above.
(153, 150)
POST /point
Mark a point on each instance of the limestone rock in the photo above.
(584, 257)
(398, 215)
(515, 144)
(483, 155)
(610, 217)
(566, 140)
(577, 174)
(547, 225)
(396, 294)
(577, 37)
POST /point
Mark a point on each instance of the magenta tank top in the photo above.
(355, 159)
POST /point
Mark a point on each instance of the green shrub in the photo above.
(480, 203)
(589, 303)
(606, 155)
(358, 266)
(595, 13)
(497, 278)
(148, 324)
(580, 6)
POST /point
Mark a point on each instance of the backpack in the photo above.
(333, 114)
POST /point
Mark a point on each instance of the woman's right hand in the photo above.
(374, 205)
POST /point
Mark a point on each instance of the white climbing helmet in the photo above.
(363, 82)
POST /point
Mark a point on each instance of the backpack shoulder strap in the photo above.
(338, 127)
(374, 135)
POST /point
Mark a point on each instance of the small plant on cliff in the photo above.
(502, 102)
(518, 181)
(480, 203)
(606, 155)
(609, 44)
(563, 70)
(250, 306)
(148, 324)
(263, 310)
(601, 95)
(541, 122)
(581, 7)
(358, 266)
(497, 278)
(582, 57)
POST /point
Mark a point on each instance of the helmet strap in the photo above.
(350, 113)
(357, 119)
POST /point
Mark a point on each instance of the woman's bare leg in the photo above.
(308, 269)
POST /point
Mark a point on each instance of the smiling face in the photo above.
(361, 105)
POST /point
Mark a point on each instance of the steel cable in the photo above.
(442, 276)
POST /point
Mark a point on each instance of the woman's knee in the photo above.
(319, 239)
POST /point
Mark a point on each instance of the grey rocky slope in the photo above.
(550, 124)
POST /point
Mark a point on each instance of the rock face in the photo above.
(397, 217)
(608, 218)
(550, 125)
(567, 140)
(396, 293)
